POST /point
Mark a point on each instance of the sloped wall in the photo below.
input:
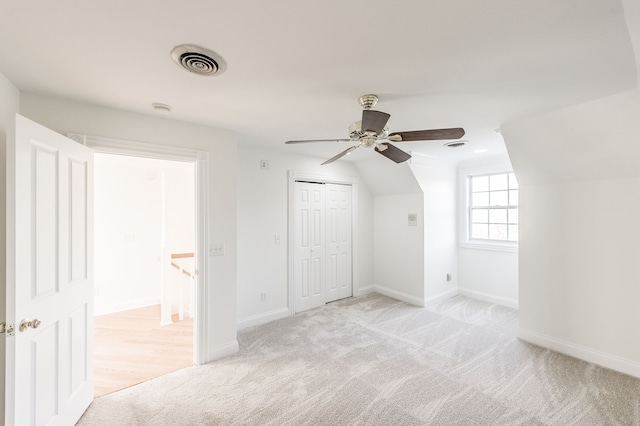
(579, 177)
(398, 249)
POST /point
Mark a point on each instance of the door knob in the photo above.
(25, 324)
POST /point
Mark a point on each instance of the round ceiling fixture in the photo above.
(198, 60)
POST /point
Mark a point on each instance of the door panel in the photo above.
(309, 248)
(339, 280)
(49, 276)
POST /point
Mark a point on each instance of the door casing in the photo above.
(201, 160)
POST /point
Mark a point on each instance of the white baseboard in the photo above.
(364, 290)
(222, 351)
(263, 318)
(498, 300)
(394, 294)
(584, 353)
(441, 297)
(124, 306)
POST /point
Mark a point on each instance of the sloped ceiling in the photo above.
(296, 69)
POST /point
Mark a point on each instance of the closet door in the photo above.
(338, 241)
(309, 245)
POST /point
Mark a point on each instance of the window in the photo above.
(493, 207)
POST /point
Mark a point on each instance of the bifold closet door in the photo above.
(322, 244)
(338, 242)
(309, 241)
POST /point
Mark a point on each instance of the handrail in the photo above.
(182, 256)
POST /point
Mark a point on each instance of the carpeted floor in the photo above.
(376, 361)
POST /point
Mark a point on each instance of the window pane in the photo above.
(480, 215)
(479, 231)
(480, 199)
(513, 215)
(479, 183)
(513, 198)
(498, 232)
(513, 232)
(498, 182)
(499, 198)
(513, 183)
(498, 216)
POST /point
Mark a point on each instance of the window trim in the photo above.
(465, 172)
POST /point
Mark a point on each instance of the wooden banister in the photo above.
(182, 256)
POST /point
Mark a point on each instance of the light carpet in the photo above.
(377, 361)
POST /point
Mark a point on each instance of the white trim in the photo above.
(441, 297)
(497, 300)
(125, 306)
(201, 160)
(478, 167)
(398, 295)
(224, 350)
(511, 247)
(363, 290)
(294, 176)
(582, 352)
(264, 318)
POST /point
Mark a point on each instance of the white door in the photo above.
(309, 241)
(49, 367)
(338, 241)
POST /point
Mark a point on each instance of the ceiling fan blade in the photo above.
(428, 135)
(342, 154)
(393, 153)
(374, 121)
(321, 140)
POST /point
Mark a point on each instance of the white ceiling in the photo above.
(296, 68)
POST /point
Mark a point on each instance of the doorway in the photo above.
(144, 288)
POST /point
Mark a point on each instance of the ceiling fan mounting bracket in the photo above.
(368, 101)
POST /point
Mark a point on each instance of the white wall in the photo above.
(9, 105)
(398, 256)
(438, 180)
(579, 230)
(489, 275)
(398, 250)
(485, 273)
(262, 214)
(67, 116)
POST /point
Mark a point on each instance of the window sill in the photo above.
(490, 245)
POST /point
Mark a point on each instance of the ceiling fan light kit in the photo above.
(372, 130)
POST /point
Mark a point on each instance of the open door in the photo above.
(49, 359)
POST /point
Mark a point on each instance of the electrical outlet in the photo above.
(263, 297)
(448, 277)
(264, 164)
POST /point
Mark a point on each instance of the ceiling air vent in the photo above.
(198, 60)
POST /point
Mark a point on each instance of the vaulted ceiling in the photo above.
(296, 68)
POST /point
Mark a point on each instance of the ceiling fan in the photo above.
(373, 128)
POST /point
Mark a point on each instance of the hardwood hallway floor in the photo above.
(131, 347)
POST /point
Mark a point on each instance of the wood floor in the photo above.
(131, 347)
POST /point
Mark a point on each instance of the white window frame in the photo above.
(465, 172)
